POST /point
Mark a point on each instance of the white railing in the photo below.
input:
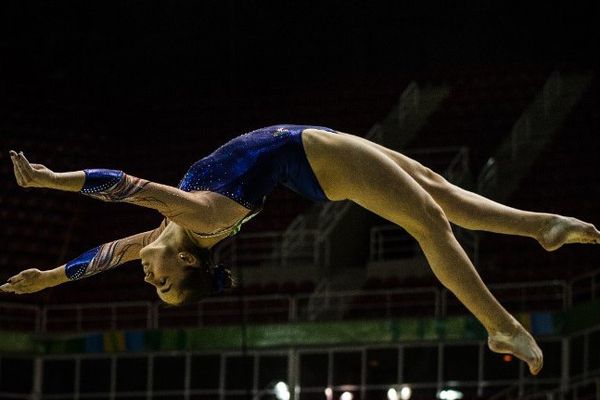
(585, 288)
(344, 305)
(22, 317)
(252, 249)
(226, 311)
(390, 242)
(555, 386)
(586, 389)
(316, 301)
(96, 316)
(518, 297)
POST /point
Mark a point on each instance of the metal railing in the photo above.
(391, 242)
(585, 287)
(342, 305)
(22, 317)
(481, 381)
(96, 316)
(586, 389)
(519, 297)
(294, 363)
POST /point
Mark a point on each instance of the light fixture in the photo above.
(346, 396)
(392, 394)
(281, 391)
(450, 394)
(405, 392)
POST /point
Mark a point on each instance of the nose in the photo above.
(151, 279)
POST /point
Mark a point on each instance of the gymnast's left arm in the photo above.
(99, 259)
(190, 210)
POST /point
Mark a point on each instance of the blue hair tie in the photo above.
(220, 279)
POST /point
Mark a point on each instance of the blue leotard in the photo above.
(248, 167)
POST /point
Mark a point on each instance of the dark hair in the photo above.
(204, 281)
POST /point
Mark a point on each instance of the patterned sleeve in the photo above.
(110, 255)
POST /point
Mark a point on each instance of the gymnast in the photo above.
(225, 189)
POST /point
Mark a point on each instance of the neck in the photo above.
(174, 234)
(203, 242)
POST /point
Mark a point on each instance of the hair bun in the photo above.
(222, 279)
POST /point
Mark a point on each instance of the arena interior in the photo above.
(333, 302)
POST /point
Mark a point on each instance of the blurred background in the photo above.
(333, 303)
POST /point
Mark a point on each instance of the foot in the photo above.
(520, 344)
(559, 230)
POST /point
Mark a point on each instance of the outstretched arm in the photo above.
(98, 259)
(190, 210)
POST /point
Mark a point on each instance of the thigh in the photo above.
(422, 174)
(349, 168)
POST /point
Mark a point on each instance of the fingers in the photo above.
(27, 169)
(23, 282)
(24, 166)
(18, 174)
(23, 170)
(10, 288)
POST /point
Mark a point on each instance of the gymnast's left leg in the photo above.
(472, 211)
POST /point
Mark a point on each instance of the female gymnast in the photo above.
(227, 188)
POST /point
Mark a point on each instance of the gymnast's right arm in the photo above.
(98, 259)
(190, 210)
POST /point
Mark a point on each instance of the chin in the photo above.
(170, 302)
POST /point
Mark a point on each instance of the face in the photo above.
(165, 268)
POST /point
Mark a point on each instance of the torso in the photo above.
(236, 177)
(229, 214)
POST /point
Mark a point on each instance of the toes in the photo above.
(536, 366)
(537, 362)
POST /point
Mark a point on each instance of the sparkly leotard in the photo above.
(248, 167)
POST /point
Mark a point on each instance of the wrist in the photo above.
(69, 181)
(55, 277)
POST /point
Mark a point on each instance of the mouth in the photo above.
(165, 290)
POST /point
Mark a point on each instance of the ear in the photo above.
(188, 259)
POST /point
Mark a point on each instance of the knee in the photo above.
(432, 222)
(430, 179)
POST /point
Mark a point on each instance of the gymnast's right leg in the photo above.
(372, 180)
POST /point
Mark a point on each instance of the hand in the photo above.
(31, 175)
(28, 281)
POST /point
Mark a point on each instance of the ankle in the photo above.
(544, 224)
(507, 330)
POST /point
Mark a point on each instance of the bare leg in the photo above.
(381, 186)
(476, 212)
